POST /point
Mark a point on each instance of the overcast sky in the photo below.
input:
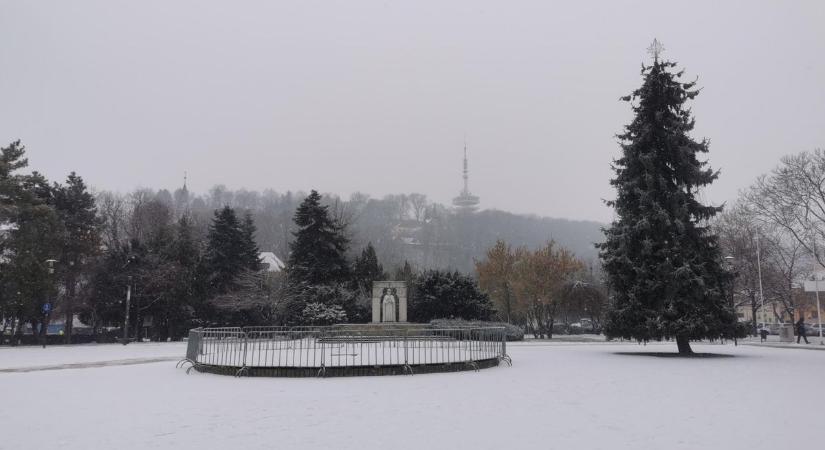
(377, 96)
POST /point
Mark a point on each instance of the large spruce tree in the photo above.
(318, 254)
(367, 269)
(81, 240)
(230, 250)
(249, 249)
(662, 261)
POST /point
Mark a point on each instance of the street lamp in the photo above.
(729, 267)
(813, 285)
(128, 302)
(47, 307)
(759, 271)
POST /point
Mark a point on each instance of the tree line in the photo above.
(403, 227)
(66, 252)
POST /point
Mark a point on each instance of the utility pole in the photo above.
(128, 304)
(816, 287)
(47, 307)
(759, 271)
(818, 313)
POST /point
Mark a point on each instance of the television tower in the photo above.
(466, 202)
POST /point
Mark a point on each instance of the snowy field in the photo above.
(560, 395)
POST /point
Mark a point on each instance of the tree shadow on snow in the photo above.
(678, 355)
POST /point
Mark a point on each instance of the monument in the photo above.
(389, 302)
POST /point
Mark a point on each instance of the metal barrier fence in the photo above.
(344, 350)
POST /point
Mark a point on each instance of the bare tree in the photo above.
(113, 212)
(787, 265)
(792, 197)
(495, 275)
(418, 203)
(539, 280)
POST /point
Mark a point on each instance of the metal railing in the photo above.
(298, 351)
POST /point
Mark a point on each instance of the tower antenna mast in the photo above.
(466, 202)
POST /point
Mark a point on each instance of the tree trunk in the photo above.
(754, 309)
(507, 301)
(35, 330)
(44, 328)
(18, 333)
(70, 291)
(683, 344)
(94, 325)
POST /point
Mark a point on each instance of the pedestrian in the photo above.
(763, 334)
(800, 331)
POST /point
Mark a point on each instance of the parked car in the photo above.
(813, 329)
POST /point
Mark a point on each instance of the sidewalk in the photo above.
(814, 344)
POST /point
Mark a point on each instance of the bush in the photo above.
(439, 294)
(294, 310)
(321, 314)
(514, 332)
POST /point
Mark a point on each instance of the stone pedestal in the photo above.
(389, 291)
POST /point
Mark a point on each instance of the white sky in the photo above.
(372, 96)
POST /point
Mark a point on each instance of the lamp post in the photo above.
(816, 289)
(759, 271)
(128, 302)
(47, 307)
(731, 269)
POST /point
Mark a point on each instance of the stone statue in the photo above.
(388, 305)
(389, 302)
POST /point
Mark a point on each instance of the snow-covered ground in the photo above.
(556, 396)
(54, 356)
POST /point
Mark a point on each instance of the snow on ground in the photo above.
(56, 355)
(556, 396)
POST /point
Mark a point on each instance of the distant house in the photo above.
(270, 262)
(5, 230)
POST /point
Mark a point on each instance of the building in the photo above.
(774, 312)
(270, 262)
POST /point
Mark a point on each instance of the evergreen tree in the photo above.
(249, 249)
(11, 160)
(448, 295)
(76, 208)
(224, 255)
(187, 252)
(177, 266)
(366, 269)
(405, 273)
(663, 263)
(27, 281)
(318, 251)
